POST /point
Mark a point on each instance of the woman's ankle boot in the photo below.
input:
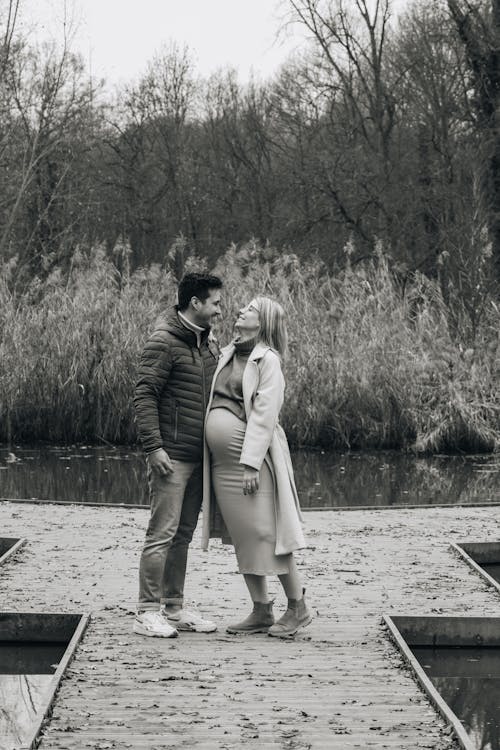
(258, 621)
(297, 616)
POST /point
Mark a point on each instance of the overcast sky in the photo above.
(118, 37)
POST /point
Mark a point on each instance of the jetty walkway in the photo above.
(340, 685)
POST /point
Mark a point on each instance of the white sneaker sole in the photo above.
(187, 628)
(141, 630)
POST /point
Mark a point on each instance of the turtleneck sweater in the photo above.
(228, 392)
(197, 330)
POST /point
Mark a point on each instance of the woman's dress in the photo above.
(250, 519)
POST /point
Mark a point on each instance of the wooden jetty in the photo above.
(340, 685)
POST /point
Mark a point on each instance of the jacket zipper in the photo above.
(203, 387)
(176, 420)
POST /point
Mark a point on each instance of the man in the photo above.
(175, 376)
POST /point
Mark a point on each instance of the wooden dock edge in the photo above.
(456, 546)
(435, 698)
(43, 714)
(12, 550)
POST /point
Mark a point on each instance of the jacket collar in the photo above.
(257, 352)
(171, 323)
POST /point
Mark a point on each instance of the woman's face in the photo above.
(248, 319)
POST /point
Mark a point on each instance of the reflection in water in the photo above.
(389, 478)
(469, 681)
(26, 671)
(325, 480)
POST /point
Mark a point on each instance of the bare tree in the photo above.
(48, 100)
(353, 76)
(438, 133)
(45, 107)
(151, 156)
(478, 24)
(9, 19)
(353, 40)
(238, 129)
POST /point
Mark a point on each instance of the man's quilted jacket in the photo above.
(172, 389)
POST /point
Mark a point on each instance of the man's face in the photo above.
(208, 310)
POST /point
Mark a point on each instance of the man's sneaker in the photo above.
(185, 619)
(153, 623)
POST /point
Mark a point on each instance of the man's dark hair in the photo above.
(196, 285)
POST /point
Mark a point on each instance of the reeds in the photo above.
(370, 365)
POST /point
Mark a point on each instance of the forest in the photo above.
(360, 185)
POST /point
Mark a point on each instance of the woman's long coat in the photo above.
(263, 388)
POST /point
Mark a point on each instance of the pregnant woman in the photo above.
(248, 465)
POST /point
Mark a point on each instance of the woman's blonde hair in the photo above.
(272, 325)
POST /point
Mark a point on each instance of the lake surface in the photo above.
(469, 681)
(83, 474)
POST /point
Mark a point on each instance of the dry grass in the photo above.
(368, 366)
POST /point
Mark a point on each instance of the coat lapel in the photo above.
(250, 379)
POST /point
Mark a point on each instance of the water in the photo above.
(83, 474)
(26, 671)
(27, 657)
(493, 569)
(469, 681)
(6, 544)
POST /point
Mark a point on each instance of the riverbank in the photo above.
(340, 685)
(373, 363)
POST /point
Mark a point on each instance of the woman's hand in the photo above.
(250, 480)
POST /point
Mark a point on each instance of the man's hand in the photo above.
(250, 480)
(160, 462)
